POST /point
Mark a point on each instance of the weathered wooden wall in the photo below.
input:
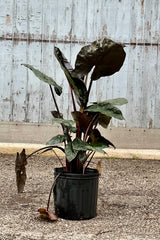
(29, 30)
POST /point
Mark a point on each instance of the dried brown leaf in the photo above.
(45, 214)
(20, 170)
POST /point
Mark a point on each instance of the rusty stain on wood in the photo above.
(142, 6)
(29, 39)
(150, 123)
(8, 19)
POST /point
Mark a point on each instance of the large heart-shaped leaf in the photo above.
(106, 56)
(45, 78)
(76, 84)
(107, 109)
(57, 139)
(79, 145)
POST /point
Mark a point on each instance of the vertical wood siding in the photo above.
(29, 30)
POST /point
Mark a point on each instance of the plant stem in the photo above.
(58, 110)
(52, 188)
(54, 99)
(90, 85)
(86, 79)
(90, 126)
(58, 158)
(74, 105)
(45, 148)
(86, 164)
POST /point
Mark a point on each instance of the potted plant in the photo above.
(76, 188)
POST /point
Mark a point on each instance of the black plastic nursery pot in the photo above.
(75, 195)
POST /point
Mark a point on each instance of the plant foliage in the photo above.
(80, 136)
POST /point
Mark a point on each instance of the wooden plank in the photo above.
(136, 22)
(6, 18)
(29, 30)
(156, 123)
(5, 80)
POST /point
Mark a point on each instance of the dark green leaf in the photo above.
(56, 114)
(98, 147)
(116, 101)
(79, 145)
(106, 55)
(70, 153)
(76, 84)
(72, 129)
(57, 139)
(104, 120)
(67, 123)
(98, 141)
(107, 109)
(82, 156)
(45, 78)
(64, 63)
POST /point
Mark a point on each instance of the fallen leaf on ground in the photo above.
(45, 214)
(20, 170)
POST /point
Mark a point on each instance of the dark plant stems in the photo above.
(54, 99)
(58, 158)
(45, 148)
(74, 105)
(78, 132)
(58, 111)
(87, 163)
(89, 88)
(67, 165)
(52, 188)
(94, 119)
(86, 79)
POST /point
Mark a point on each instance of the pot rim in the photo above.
(89, 173)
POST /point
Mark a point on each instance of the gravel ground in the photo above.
(128, 202)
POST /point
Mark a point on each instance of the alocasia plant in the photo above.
(100, 58)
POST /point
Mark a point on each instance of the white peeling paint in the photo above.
(29, 30)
